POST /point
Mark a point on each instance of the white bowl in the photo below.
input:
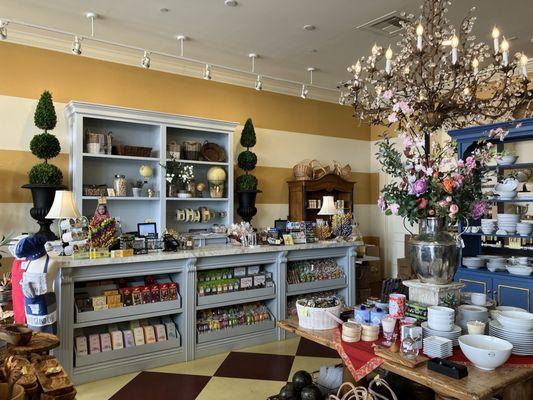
(505, 308)
(507, 185)
(473, 262)
(496, 268)
(519, 270)
(485, 352)
(509, 217)
(506, 160)
(441, 326)
(441, 311)
(506, 194)
(515, 320)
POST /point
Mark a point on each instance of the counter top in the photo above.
(207, 251)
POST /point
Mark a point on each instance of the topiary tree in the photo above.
(247, 160)
(45, 145)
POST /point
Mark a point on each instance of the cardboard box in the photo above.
(405, 271)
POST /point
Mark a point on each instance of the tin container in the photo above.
(397, 305)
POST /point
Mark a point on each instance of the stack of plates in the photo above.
(435, 346)
(453, 335)
(522, 341)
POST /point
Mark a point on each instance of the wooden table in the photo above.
(512, 383)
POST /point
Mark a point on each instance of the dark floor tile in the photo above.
(308, 348)
(256, 366)
(162, 386)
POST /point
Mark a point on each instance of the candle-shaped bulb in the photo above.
(419, 32)
(357, 67)
(475, 65)
(375, 50)
(466, 91)
(496, 39)
(388, 63)
(406, 70)
(454, 42)
(523, 64)
(505, 51)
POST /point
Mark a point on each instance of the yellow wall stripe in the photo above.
(70, 77)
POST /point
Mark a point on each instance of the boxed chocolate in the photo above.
(160, 332)
(246, 282)
(84, 304)
(100, 307)
(81, 345)
(259, 280)
(129, 341)
(254, 269)
(105, 342)
(239, 272)
(94, 344)
(172, 332)
(149, 334)
(138, 336)
(117, 340)
(98, 301)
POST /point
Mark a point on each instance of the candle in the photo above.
(375, 51)
(523, 64)
(475, 65)
(455, 43)
(419, 32)
(357, 68)
(496, 37)
(505, 52)
(388, 63)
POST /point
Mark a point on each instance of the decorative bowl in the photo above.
(16, 334)
(506, 160)
(515, 320)
(485, 352)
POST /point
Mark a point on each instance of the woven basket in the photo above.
(213, 152)
(92, 137)
(132, 151)
(303, 171)
(317, 318)
(190, 150)
(319, 170)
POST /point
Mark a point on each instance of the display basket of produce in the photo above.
(132, 151)
(213, 152)
(318, 314)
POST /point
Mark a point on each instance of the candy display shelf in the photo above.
(183, 268)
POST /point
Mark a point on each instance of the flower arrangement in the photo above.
(428, 179)
(177, 172)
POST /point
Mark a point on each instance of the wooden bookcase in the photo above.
(300, 192)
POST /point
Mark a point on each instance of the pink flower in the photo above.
(394, 207)
(422, 203)
(388, 94)
(478, 209)
(402, 106)
(429, 171)
(382, 204)
(454, 209)
(460, 163)
(443, 203)
(392, 118)
(418, 187)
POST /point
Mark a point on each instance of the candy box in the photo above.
(239, 272)
(94, 344)
(81, 345)
(134, 324)
(126, 296)
(105, 342)
(246, 282)
(252, 270)
(98, 301)
(138, 335)
(149, 334)
(100, 307)
(172, 291)
(259, 280)
(136, 296)
(156, 295)
(117, 340)
(172, 332)
(146, 295)
(160, 332)
(110, 292)
(129, 341)
(164, 290)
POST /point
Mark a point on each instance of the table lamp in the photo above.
(328, 206)
(63, 206)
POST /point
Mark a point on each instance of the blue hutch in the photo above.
(503, 287)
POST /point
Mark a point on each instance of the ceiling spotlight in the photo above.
(304, 92)
(309, 27)
(259, 83)
(230, 3)
(207, 72)
(76, 46)
(181, 38)
(164, 10)
(3, 30)
(145, 63)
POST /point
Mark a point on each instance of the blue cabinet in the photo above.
(513, 292)
(474, 282)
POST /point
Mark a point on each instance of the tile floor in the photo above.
(247, 374)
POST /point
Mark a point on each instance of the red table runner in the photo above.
(360, 359)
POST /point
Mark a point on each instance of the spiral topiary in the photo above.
(45, 174)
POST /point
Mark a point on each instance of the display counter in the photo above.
(228, 297)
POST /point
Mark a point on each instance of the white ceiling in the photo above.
(272, 28)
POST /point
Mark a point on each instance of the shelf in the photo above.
(200, 162)
(504, 274)
(198, 199)
(239, 297)
(116, 157)
(495, 235)
(116, 198)
(114, 315)
(512, 166)
(316, 286)
(98, 358)
(517, 200)
(235, 331)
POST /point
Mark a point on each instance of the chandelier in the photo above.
(441, 77)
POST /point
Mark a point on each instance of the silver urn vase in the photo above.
(433, 252)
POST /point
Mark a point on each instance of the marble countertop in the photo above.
(207, 251)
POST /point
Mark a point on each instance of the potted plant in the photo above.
(44, 178)
(180, 178)
(247, 183)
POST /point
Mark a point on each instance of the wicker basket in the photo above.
(132, 151)
(92, 137)
(303, 171)
(213, 152)
(319, 170)
(317, 318)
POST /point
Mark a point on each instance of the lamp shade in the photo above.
(63, 206)
(328, 206)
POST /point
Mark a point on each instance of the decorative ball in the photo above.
(216, 175)
(200, 186)
(146, 171)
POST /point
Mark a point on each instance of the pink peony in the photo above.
(478, 209)
(418, 187)
(392, 118)
(387, 94)
(454, 209)
(394, 207)
(382, 204)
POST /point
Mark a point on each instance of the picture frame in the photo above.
(147, 229)
(287, 239)
(111, 192)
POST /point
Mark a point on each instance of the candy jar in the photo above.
(409, 349)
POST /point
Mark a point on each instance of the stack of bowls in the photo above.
(505, 191)
(467, 313)
(524, 228)
(496, 264)
(473, 262)
(520, 269)
(507, 223)
(488, 226)
(515, 321)
(441, 323)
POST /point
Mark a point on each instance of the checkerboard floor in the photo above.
(247, 374)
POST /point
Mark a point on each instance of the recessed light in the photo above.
(164, 10)
(230, 3)
(313, 51)
(309, 27)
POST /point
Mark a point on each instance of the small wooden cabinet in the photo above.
(300, 192)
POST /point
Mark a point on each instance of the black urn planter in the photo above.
(43, 198)
(246, 207)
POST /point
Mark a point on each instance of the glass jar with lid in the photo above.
(120, 185)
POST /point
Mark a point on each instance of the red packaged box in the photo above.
(173, 291)
(126, 297)
(156, 295)
(136, 295)
(146, 295)
(164, 290)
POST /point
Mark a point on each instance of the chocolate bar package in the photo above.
(81, 345)
(416, 310)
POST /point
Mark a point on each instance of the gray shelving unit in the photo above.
(183, 268)
(316, 286)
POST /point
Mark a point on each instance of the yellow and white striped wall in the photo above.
(289, 129)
